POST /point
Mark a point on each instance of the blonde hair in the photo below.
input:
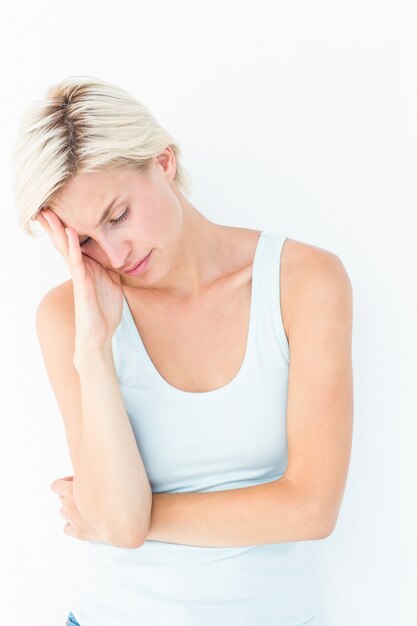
(83, 125)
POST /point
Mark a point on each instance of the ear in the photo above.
(167, 161)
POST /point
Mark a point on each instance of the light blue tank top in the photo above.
(230, 437)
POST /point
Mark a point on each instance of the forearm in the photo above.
(272, 512)
(111, 487)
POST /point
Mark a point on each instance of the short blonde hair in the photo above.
(83, 125)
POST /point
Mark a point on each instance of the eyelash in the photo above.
(124, 215)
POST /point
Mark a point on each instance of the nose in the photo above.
(116, 253)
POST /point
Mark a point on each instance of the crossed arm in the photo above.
(304, 503)
(272, 512)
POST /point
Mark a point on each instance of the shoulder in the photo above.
(56, 307)
(314, 281)
(304, 261)
(55, 326)
(59, 293)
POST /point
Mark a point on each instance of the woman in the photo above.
(203, 373)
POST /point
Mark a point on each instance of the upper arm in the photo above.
(320, 385)
(55, 327)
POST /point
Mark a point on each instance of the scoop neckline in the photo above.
(164, 384)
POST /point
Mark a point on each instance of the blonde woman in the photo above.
(203, 373)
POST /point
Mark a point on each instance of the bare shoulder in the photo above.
(55, 327)
(59, 291)
(57, 301)
(318, 309)
(311, 278)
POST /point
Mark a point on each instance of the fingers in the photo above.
(56, 231)
(44, 223)
(65, 241)
(74, 250)
(62, 486)
(70, 513)
(63, 513)
(68, 530)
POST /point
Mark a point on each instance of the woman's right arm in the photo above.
(110, 487)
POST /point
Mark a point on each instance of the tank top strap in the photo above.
(270, 324)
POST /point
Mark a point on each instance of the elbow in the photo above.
(128, 531)
(325, 531)
(321, 524)
(127, 536)
(136, 539)
(134, 535)
(125, 541)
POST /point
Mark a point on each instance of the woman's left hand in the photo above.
(76, 525)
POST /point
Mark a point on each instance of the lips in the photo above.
(128, 269)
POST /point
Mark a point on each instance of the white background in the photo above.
(298, 117)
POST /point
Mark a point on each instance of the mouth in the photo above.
(134, 267)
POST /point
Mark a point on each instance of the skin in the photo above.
(191, 256)
(190, 250)
(194, 263)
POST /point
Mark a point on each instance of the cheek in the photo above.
(96, 254)
(165, 220)
(146, 226)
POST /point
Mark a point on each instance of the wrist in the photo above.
(85, 356)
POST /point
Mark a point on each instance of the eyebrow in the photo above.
(107, 211)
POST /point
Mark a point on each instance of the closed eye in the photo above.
(117, 220)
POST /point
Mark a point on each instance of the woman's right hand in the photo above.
(98, 294)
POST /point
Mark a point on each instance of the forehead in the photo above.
(84, 198)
